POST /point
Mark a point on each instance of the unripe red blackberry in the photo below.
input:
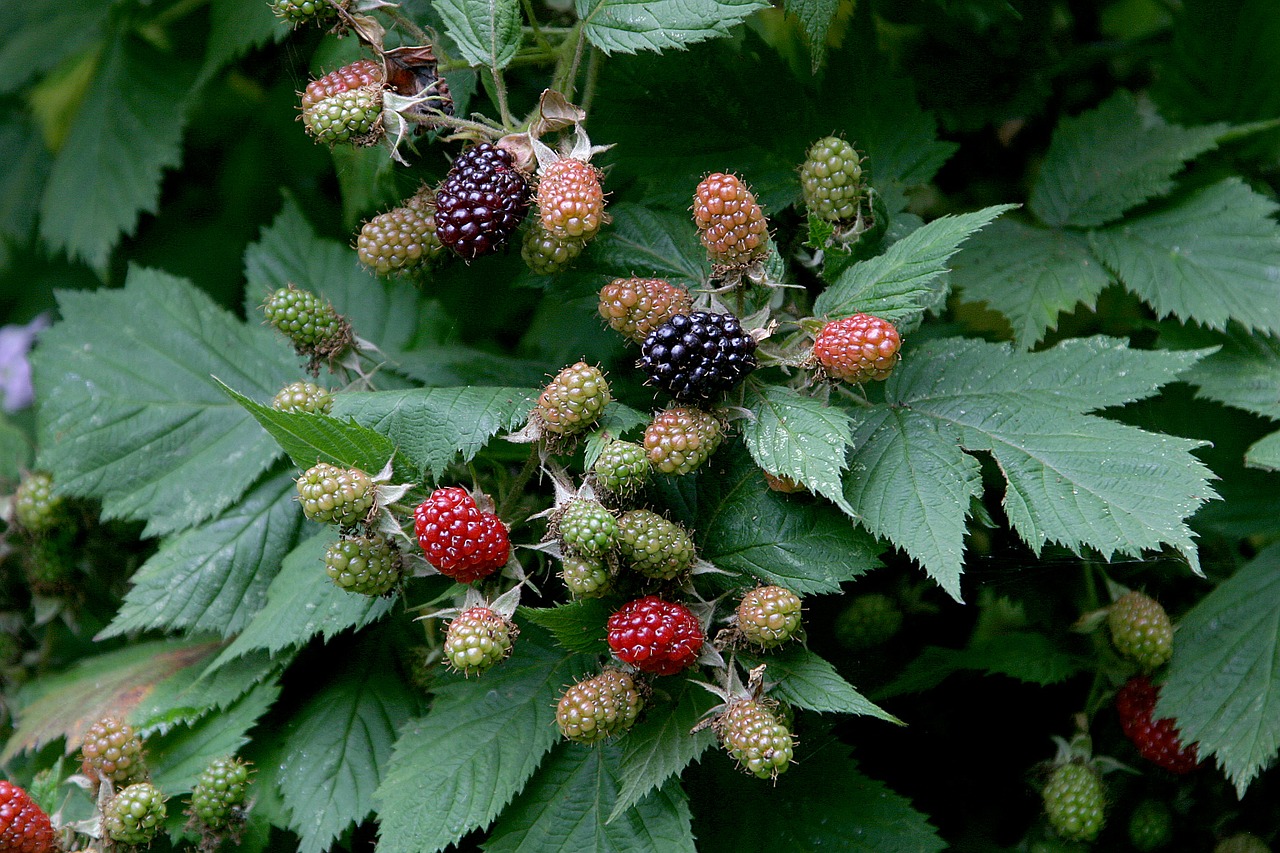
(584, 577)
(782, 483)
(477, 640)
(730, 223)
(587, 528)
(599, 707)
(769, 615)
(134, 815)
(305, 397)
(220, 792)
(346, 105)
(1141, 630)
(24, 826)
(679, 440)
(636, 306)
(831, 180)
(482, 201)
(858, 349)
(457, 538)
(545, 254)
(369, 565)
(653, 546)
(114, 751)
(570, 200)
(299, 12)
(309, 322)
(870, 620)
(574, 399)
(657, 636)
(695, 357)
(622, 467)
(754, 737)
(1074, 800)
(1158, 741)
(333, 495)
(402, 239)
(34, 506)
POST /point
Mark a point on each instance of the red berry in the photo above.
(858, 348)
(570, 201)
(1158, 741)
(457, 538)
(345, 105)
(24, 827)
(656, 636)
(730, 223)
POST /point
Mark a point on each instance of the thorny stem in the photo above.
(490, 131)
(593, 76)
(567, 66)
(500, 93)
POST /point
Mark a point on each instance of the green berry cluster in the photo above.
(369, 565)
(333, 495)
(653, 546)
(303, 397)
(753, 736)
(769, 615)
(831, 180)
(599, 707)
(134, 815)
(622, 467)
(477, 640)
(220, 792)
(587, 528)
(1074, 800)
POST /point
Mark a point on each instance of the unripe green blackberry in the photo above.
(477, 640)
(402, 239)
(653, 546)
(49, 564)
(1242, 842)
(333, 495)
(622, 467)
(299, 12)
(636, 306)
(219, 793)
(134, 815)
(587, 528)
(1141, 630)
(869, 621)
(831, 179)
(598, 707)
(584, 577)
(754, 737)
(114, 751)
(309, 322)
(574, 399)
(34, 506)
(769, 615)
(298, 397)
(548, 255)
(369, 565)
(346, 105)
(1074, 800)
(1150, 826)
(679, 440)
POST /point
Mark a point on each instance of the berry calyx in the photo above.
(333, 495)
(219, 793)
(309, 322)
(636, 306)
(831, 180)
(730, 223)
(695, 357)
(870, 620)
(1141, 630)
(457, 538)
(369, 565)
(400, 240)
(570, 200)
(653, 546)
(477, 640)
(622, 467)
(1158, 741)
(134, 815)
(113, 751)
(657, 636)
(599, 707)
(754, 737)
(482, 201)
(679, 440)
(574, 399)
(346, 105)
(769, 615)
(584, 577)
(34, 506)
(857, 349)
(546, 254)
(24, 826)
(1074, 800)
(587, 528)
(303, 397)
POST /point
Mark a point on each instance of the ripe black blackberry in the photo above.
(481, 202)
(696, 356)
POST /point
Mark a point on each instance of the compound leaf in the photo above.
(1264, 453)
(803, 679)
(815, 16)
(627, 26)
(652, 243)
(799, 437)
(487, 32)
(578, 626)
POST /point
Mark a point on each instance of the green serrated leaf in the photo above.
(565, 804)
(26, 170)
(815, 16)
(127, 132)
(898, 285)
(337, 746)
(456, 768)
(177, 757)
(302, 602)
(1244, 373)
(42, 33)
(578, 626)
(1028, 274)
(1107, 160)
(648, 242)
(803, 679)
(779, 539)
(1223, 686)
(1212, 257)
(15, 452)
(617, 421)
(129, 412)
(1025, 655)
(430, 427)
(799, 437)
(215, 577)
(487, 32)
(627, 26)
(188, 695)
(1264, 453)
(235, 28)
(662, 745)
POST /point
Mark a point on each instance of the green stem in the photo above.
(402, 20)
(533, 24)
(516, 487)
(500, 94)
(567, 62)
(593, 77)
